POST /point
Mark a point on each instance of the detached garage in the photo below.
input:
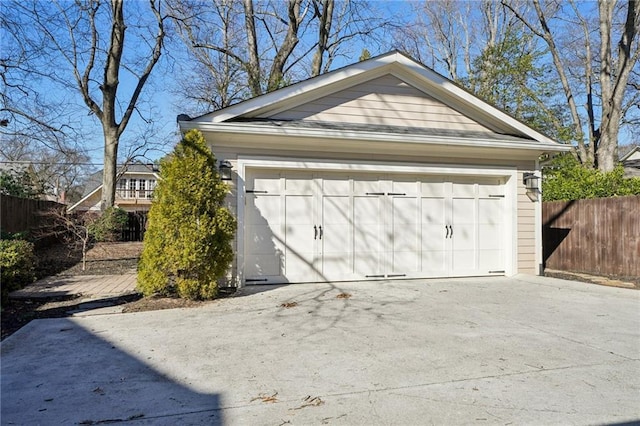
(382, 169)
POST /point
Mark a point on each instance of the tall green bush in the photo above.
(16, 265)
(187, 245)
(566, 179)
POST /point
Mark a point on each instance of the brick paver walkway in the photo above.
(85, 285)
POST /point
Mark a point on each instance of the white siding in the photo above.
(385, 100)
(526, 228)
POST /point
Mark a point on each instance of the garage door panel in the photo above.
(408, 187)
(434, 262)
(405, 262)
(264, 209)
(300, 266)
(433, 212)
(464, 261)
(266, 181)
(299, 210)
(489, 237)
(490, 234)
(299, 183)
(433, 188)
(463, 189)
(261, 265)
(491, 260)
(337, 238)
(336, 210)
(336, 185)
(463, 237)
(490, 211)
(405, 230)
(299, 238)
(368, 235)
(367, 263)
(261, 239)
(364, 185)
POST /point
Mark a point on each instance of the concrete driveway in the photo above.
(524, 350)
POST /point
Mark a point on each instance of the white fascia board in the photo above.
(252, 129)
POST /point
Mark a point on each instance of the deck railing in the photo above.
(132, 194)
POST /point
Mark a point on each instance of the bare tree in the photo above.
(26, 116)
(86, 40)
(58, 172)
(605, 72)
(339, 26)
(442, 36)
(73, 231)
(215, 74)
(248, 48)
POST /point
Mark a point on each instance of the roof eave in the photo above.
(475, 142)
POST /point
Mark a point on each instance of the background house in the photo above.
(134, 189)
(631, 162)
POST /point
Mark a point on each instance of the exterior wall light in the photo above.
(531, 181)
(225, 169)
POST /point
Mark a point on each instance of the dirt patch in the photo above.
(102, 259)
(609, 281)
(155, 303)
(18, 313)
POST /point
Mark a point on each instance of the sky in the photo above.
(156, 120)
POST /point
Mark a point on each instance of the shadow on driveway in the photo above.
(90, 381)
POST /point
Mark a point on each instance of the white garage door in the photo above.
(322, 226)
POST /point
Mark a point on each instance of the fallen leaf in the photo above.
(289, 305)
(310, 402)
(343, 296)
(266, 398)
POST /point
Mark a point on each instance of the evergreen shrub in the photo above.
(16, 265)
(109, 225)
(566, 179)
(188, 241)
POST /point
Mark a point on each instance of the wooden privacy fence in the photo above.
(24, 214)
(599, 236)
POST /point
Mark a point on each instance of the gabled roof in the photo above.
(632, 154)
(247, 115)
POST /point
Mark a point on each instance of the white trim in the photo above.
(538, 221)
(285, 163)
(85, 198)
(369, 136)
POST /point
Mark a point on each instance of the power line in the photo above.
(51, 163)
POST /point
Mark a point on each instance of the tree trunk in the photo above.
(109, 172)
(325, 18)
(290, 41)
(614, 77)
(84, 251)
(253, 66)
